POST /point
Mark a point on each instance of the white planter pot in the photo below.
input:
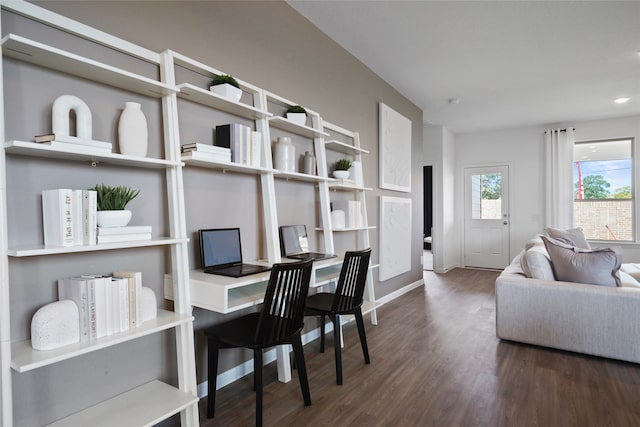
(297, 118)
(113, 218)
(341, 174)
(133, 136)
(228, 91)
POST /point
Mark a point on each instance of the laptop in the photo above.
(294, 244)
(221, 253)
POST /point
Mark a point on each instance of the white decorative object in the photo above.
(285, 155)
(297, 118)
(62, 106)
(55, 325)
(341, 174)
(148, 304)
(228, 91)
(395, 237)
(309, 163)
(113, 218)
(338, 221)
(356, 173)
(133, 136)
(395, 150)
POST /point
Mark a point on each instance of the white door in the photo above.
(486, 217)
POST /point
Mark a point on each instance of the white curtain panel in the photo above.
(559, 177)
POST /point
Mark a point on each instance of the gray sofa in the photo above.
(584, 318)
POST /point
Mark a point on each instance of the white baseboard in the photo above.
(239, 371)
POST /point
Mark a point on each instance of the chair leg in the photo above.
(213, 375)
(363, 337)
(298, 354)
(257, 381)
(337, 343)
(322, 326)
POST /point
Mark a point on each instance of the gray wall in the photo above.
(265, 43)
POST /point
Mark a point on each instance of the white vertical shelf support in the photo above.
(323, 187)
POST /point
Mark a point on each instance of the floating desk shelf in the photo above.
(289, 126)
(38, 250)
(56, 59)
(196, 159)
(210, 99)
(33, 149)
(143, 406)
(25, 358)
(343, 147)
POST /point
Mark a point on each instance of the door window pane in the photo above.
(486, 196)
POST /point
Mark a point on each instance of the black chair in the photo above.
(279, 322)
(346, 300)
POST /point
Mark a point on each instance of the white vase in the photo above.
(341, 174)
(133, 135)
(228, 91)
(113, 218)
(297, 118)
(284, 155)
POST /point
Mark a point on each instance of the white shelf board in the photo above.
(371, 227)
(300, 176)
(25, 358)
(43, 250)
(343, 147)
(347, 187)
(289, 126)
(27, 50)
(26, 148)
(193, 159)
(146, 405)
(210, 99)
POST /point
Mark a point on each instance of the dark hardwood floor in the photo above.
(435, 361)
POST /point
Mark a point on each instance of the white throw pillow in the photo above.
(536, 264)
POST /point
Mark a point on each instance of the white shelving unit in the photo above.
(146, 404)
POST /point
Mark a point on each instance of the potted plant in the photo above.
(341, 170)
(297, 114)
(226, 86)
(111, 205)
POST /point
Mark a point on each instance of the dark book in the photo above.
(45, 138)
(223, 135)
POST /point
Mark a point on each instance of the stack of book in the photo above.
(352, 211)
(74, 143)
(127, 233)
(69, 217)
(244, 143)
(206, 152)
(106, 304)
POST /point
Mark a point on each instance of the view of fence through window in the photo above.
(603, 189)
(486, 196)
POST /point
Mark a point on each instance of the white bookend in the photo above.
(128, 229)
(77, 217)
(57, 217)
(124, 237)
(135, 288)
(75, 289)
(256, 148)
(89, 216)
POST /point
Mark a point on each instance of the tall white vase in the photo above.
(133, 136)
(284, 155)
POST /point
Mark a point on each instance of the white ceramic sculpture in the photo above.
(62, 106)
(55, 325)
(338, 219)
(133, 136)
(148, 304)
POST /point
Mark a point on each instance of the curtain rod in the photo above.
(563, 130)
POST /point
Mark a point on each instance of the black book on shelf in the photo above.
(224, 134)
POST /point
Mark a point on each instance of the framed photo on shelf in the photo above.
(395, 150)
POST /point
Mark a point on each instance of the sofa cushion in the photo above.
(571, 236)
(536, 263)
(591, 266)
(536, 241)
(627, 280)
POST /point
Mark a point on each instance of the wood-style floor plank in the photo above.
(435, 361)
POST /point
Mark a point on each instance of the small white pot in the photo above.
(341, 174)
(113, 218)
(297, 118)
(228, 91)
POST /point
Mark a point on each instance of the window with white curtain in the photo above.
(603, 178)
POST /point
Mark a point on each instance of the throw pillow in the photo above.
(572, 236)
(592, 266)
(536, 264)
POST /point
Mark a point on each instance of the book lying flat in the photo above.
(129, 229)
(124, 238)
(199, 155)
(204, 148)
(81, 148)
(84, 142)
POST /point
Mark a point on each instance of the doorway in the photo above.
(486, 217)
(427, 258)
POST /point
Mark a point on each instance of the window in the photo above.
(486, 192)
(604, 189)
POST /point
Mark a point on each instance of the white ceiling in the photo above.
(510, 63)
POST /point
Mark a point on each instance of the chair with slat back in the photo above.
(280, 321)
(347, 299)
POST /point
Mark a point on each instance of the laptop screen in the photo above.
(293, 239)
(220, 247)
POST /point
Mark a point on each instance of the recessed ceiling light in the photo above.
(620, 100)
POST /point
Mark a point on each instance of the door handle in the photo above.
(506, 222)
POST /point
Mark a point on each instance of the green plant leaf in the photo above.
(114, 198)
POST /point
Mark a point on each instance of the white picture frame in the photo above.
(395, 237)
(394, 134)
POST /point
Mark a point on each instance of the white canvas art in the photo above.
(395, 150)
(395, 236)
